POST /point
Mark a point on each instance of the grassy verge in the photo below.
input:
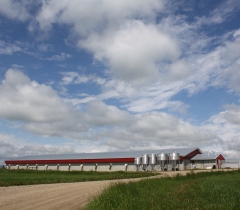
(209, 190)
(30, 177)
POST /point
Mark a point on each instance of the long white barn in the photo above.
(157, 160)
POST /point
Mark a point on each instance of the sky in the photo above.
(102, 75)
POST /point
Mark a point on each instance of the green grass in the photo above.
(31, 177)
(209, 190)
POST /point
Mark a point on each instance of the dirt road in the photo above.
(56, 196)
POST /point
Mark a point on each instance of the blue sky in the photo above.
(92, 76)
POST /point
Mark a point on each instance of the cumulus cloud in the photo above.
(127, 39)
(137, 51)
(172, 53)
(232, 115)
(226, 126)
(11, 146)
(43, 112)
(134, 51)
(99, 114)
(38, 107)
(26, 100)
(150, 60)
(120, 35)
(161, 130)
(106, 13)
(179, 70)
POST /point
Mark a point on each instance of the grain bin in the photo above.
(152, 160)
(138, 162)
(174, 156)
(174, 161)
(162, 160)
(145, 159)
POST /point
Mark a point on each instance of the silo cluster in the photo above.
(162, 161)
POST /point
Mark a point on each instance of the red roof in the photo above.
(106, 160)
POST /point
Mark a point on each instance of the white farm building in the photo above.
(152, 160)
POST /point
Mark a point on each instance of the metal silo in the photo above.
(174, 156)
(175, 161)
(138, 162)
(163, 161)
(144, 161)
(152, 160)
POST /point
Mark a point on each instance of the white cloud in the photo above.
(8, 49)
(179, 70)
(110, 88)
(99, 114)
(26, 100)
(69, 77)
(16, 66)
(45, 47)
(106, 13)
(60, 57)
(11, 146)
(217, 67)
(37, 107)
(138, 100)
(222, 13)
(226, 125)
(126, 37)
(149, 63)
(131, 49)
(14, 47)
(232, 115)
(76, 78)
(14, 10)
(159, 129)
(41, 111)
(155, 97)
(134, 51)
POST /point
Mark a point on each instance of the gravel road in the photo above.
(57, 196)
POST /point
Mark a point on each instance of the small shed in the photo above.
(207, 161)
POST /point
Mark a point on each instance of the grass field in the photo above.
(31, 177)
(209, 190)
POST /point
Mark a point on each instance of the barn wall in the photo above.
(234, 164)
(203, 164)
(77, 167)
(187, 164)
(90, 167)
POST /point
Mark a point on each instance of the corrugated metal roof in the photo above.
(125, 154)
(205, 157)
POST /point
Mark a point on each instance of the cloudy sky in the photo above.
(102, 75)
